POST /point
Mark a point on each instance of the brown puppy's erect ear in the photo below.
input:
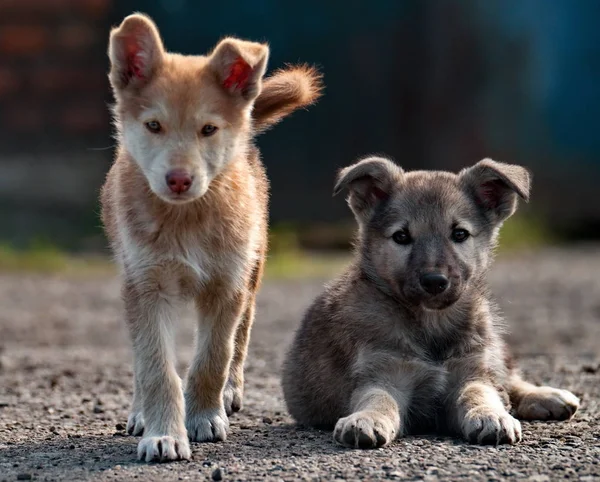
(240, 66)
(496, 186)
(369, 181)
(135, 51)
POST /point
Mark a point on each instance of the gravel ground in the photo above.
(65, 387)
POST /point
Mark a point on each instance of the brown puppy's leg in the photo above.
(233, 393)
(150, 313)
(135, 420)
(220, 311)
(374, 421)
(540, 403)
(234, 390)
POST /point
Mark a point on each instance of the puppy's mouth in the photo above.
(182, 198)
(438, 304)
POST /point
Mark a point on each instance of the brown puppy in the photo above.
(185, 209)
(408, 339)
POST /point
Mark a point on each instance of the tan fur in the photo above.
(207, 244)
(378, 355)
(284, 92)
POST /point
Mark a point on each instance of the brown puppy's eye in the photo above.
(459, 235)
(208, 130)
(402, 237)
(153, 126)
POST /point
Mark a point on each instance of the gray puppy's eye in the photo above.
(402, 237)
(459, 235)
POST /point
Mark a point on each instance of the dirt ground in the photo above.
(65, 387)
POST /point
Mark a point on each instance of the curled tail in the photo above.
(284, 92)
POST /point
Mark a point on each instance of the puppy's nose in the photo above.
(179, 181)
(434, 283)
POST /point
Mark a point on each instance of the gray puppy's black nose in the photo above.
(434, 283)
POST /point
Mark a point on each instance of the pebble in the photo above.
(217, 474)
(24, 477)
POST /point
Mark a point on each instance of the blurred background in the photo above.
(434, 84)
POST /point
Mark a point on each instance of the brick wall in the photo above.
(53, 65)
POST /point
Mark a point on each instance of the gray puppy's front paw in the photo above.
(486, 426)
(364, 430)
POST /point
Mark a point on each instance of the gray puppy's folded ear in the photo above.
(369, 181)
(496, 186)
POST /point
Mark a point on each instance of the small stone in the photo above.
(267, 420)
(206, 463)
(217, 474)
(117, 467)
(24, 477)
(120, 426)
(72, 447)
(98, 409)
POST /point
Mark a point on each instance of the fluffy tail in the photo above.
(284, 92)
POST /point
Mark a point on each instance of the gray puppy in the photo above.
(407, 340)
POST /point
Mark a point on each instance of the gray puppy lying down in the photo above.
(407, 340)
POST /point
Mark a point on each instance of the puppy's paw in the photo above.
(232, 398)
(164, 448)
(135, 424)
(364, 430)
(486, 426)
(547, 403)
(207, 425)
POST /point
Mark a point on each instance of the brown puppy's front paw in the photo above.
(164, 448)
(547, 403)
(232, 398)
(364, 430)
(207, 425)
(486, 426)
(135, 424)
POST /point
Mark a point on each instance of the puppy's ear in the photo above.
(135, 51)
(496, 186)
(369, 181)
(240, 66)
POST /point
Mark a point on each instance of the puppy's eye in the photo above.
(402, 237)
(153, 126)
(208, 130)
(459, 235)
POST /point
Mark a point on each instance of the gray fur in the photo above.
(376, 355)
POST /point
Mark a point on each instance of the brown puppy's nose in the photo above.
(179, 181)
(434, 283)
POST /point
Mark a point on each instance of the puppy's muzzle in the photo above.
(434, 283)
